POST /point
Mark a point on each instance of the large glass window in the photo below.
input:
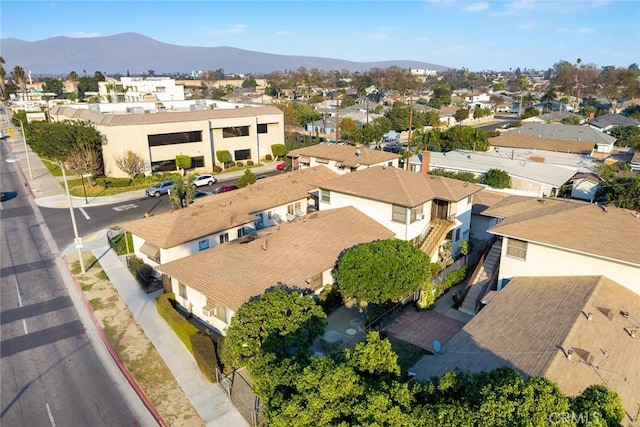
(203, 245)
(517, 248)
(174, 138)
(262, 128)
(293, 208)
(235, 131)
(325, 195)
(242, 155)
(224, 238)
(163, 166)
(182, 291)
(416, 214)
(399, 214)
(197, 162)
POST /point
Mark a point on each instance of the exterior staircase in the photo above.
(481, 279)
(437, 233)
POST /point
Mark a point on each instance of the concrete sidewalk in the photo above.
(208, 399)
(48, 190)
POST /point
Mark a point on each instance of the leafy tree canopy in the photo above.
(276, 322)
(247, 179)
(497, 178)
(381, 271)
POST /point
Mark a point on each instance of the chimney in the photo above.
(426, 159)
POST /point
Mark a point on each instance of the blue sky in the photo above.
(479, 35)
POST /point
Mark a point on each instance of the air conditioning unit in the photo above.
(420, 216)
(209, 311)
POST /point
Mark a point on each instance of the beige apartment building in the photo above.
(157, 136)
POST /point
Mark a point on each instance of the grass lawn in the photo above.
(408, 354)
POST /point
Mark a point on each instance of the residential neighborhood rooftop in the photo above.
(612, 119)
(534, 323)
(400, 187)
(523, 164)
(291, 253)
(484, 199)
(209, 215)
(347, 155)
(565, 132)
(533, 142)
(607, 232)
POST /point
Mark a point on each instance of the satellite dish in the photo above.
(437, 348)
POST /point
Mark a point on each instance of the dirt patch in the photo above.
(133, 347)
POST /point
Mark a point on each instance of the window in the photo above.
(416, 214)
(183, 291)
(469, 200)
(399, 214)
(203, 245)
(325, 196)
(241, 232)
(235, 131)
(224, 238)
(517, 248)
(221, 313)
(293, 208)
(242, 155)
(457, 234)
(316, 282)
(262, 128)
(197, 162)
(163, 166)
(174, 138)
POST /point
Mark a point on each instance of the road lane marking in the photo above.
(51, 420)
(86, 215)
(124, 207)
(24, 322)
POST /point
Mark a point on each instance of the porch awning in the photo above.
(153, 252)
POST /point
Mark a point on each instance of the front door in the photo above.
(440, 209)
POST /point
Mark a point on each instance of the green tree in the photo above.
(274, 323)
(530, 112)
(278, 150)
(182, 193)
(350, 131)
(461, 114)
(249, 83)
(19, 77)
(497, 178)
(53, 85)
(628, 136)
(601, 406)
(381, 271)
(3, 79)
(442, 93)
(223, 156)
(247, 179)
(74, 78)
(183, 162)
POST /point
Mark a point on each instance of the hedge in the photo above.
(141, 271)
(181, 326)
(250, 163)
(268, 157)
(217, 169)
(204, 352)
(453, 278)
(239, 164)
(106, 182)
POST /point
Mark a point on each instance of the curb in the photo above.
(143, 397)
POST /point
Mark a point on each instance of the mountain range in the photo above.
(137, 54)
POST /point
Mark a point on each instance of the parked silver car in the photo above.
(204, 179)
(159, 189)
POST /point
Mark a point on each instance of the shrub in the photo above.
(426, 298)
(329, 299)
(497, 178)
(204, 352)
(181, 326)
(240, 164)
(268, 157)
(225, 358)
(217, 169)
(141, 271)
(250, 163)
(278, 150)
(223, 156)
(453, 278)
(231, 164)
(107, 182)
(183, 161)
(465, 247)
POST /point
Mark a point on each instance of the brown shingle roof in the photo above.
(400, 187)
(232, 273)
(345, 154)
(485, 198)
(520, 140)
(534, 321)
(581, 227)
(223, 211)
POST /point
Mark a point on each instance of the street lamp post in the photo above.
(26, 152)
(77, 240)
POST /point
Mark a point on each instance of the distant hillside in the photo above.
(138, 54)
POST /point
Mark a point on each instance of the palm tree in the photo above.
(73, 78)
(3, 77)
(549, 97)
(18, 75)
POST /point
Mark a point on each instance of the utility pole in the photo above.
(337, 120)
(409, 133)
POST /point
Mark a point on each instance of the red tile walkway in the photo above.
(421, 328)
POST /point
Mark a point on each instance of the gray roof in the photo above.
(612, 119)
(567, 132)
(520, 166)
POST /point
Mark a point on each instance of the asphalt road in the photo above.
(51, 372)
(503, 120)
(91, 219)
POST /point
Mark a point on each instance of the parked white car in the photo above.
(204, 179)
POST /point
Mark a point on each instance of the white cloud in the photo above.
(421, 39)
(528, 25)
(585, 30)
(232, 29)
(577, 32)
(281, 33)
(476, 7)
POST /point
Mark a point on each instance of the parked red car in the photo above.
(281, 167)
(226, 188)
